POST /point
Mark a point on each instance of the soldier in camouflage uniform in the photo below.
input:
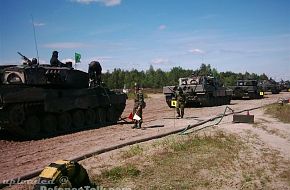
(180, 102)
(139, 104)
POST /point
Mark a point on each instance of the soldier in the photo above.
(180, 102)
(34, 62)
(139, 104)
(95, 71)
(54, 60)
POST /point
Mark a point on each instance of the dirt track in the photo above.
(19, 158)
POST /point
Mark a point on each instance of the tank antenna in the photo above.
(35, 39)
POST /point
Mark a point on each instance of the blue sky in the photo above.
(231, 35)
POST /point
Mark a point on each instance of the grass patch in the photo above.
(120, 172)
(205, 161)
(280, 112)
(184, 163)
(133, 151)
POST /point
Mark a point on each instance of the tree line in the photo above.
(152, 78)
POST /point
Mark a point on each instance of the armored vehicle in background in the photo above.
(200, 91)
(247, 89)
(285, 86)
(270, 86)
(41, 100)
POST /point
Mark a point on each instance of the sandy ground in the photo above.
(19, 158)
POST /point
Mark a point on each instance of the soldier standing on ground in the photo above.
(180, 102)
(54, 60)
(139, 104)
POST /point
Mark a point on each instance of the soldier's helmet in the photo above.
(34, 61)
(55, 53)
(179, 89)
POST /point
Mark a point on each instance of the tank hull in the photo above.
(33, 112)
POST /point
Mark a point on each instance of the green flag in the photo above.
(77, 57)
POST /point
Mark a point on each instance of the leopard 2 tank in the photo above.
(200, 91)
(41, 100)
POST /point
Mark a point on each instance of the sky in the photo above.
(230, 35)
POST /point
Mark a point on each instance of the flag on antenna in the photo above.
(77, 58)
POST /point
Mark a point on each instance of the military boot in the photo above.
(134, 126)
(139, 125)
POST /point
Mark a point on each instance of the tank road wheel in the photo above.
(49, 123)
(32, 126)
(64, 121)
(102, 115)
(78, 119)
(90, 117)
(16, 115)
(111, 115)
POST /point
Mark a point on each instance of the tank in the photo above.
(247, 89)
(38, 101)
(270, 86)
(200, 91)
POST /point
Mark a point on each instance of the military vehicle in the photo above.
(270, 86)
(285, 86)
(41, 100)
(247, 89)
(200, 91)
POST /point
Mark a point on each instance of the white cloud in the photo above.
(65, 45)
(162, 27)
(196, 51)
(108, 3)
(159, 61)
(38, 24)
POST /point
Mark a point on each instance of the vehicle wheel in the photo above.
(78, 119)
(90, 117)
(16, 115)
(102, 115)
(32, 126)
(64, 121)
(49, 123)
(111, 115)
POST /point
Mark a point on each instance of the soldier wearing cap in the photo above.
(54, 60)
(139, 104)
(180, 102)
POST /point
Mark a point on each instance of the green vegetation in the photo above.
(281, 112)
(205, 161)
(178, 163)
(157, 78)
(133, 151)
(120, 172)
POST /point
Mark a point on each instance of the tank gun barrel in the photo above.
(24, 57)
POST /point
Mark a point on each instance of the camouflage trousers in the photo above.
(180, 109)
(138, 111)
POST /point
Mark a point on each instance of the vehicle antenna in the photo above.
(35, 39)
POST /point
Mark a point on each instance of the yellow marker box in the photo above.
(261, 93)
(173, 103)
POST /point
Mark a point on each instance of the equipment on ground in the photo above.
(63, 174)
